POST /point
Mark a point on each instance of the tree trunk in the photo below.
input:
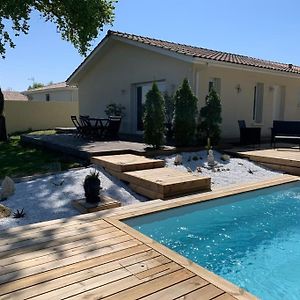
(3, 135)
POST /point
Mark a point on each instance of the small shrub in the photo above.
(19, 214)
(195, 158)
(154, 118)
(114, 109)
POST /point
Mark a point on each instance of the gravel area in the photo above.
(49, 197)
(225, 173)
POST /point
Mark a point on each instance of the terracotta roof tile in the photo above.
(210, 54)
(14, 96)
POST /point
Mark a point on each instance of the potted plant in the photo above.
(92, 187)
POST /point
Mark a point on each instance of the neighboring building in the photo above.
(53, 92)
(14, 96)
(123, 67)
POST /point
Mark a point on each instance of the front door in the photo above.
(141, 91)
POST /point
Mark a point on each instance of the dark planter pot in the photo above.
(92, 189)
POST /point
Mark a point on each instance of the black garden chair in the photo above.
(249, 135)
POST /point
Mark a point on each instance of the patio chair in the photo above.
(113, 127)
(78, 126)
(88, 129)
(249, 135)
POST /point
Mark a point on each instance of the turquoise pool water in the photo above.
(251, 239)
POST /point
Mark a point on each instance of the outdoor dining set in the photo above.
(97, 128)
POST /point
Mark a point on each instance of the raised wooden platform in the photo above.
(127, 162)
(148, 177)
(281, 159)
(164, 183)
(106, 203)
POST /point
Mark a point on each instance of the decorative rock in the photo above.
(4, 211)
(211, 159)
(178, 160)
(225, 157)
(8, 188)
(199, 170)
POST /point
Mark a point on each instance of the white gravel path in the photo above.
(49, 197)
(228, 173)
(45, 199)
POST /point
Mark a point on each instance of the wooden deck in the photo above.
(92, 259)
(97, 256)
(282, 159)
(149, 178)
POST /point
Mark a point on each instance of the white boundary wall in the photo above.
(24, 115)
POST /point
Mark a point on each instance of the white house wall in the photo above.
(112, 79)
(239, 105)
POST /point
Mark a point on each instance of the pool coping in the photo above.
(117, 217)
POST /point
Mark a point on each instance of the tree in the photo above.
(78, 21)
(35, 85)
(185, 115)
(154, 118)
(210, 117)
(3, 134)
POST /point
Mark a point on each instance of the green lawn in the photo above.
(17, 160)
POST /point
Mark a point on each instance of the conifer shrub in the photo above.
(185, 115)
(210, 118)
(154, 118)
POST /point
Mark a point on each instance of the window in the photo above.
(215, 83)
(258, 102)
(47, 97)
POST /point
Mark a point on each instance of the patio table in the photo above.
(98, 126)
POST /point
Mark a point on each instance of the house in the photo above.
(14, 96)
(122, 68)
(53, 92)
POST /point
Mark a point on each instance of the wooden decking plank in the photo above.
(17, 274)
(47, 235)
(50, 254)
(224, 296)
(152, 286)
(29, 246)
(115, 289)
(77, 277)
(179, 289)
(158, 271)
(52, 224)
(207, 292)
(85, 285)
(122, 255)
(148, 264)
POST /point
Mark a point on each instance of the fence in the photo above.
(24, 115)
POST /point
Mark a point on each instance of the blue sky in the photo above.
(263, 29)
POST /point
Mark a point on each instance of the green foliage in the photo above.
(169, 107)
(185, 115)
(154, 118)
(78, 21)
(17, 160)
(114, 109)
(1, 103)
(210, 118)
(35, 85)
(93, 175)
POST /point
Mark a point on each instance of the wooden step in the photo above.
(166, 182)
(127, 162)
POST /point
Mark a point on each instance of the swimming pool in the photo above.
(251, 239)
